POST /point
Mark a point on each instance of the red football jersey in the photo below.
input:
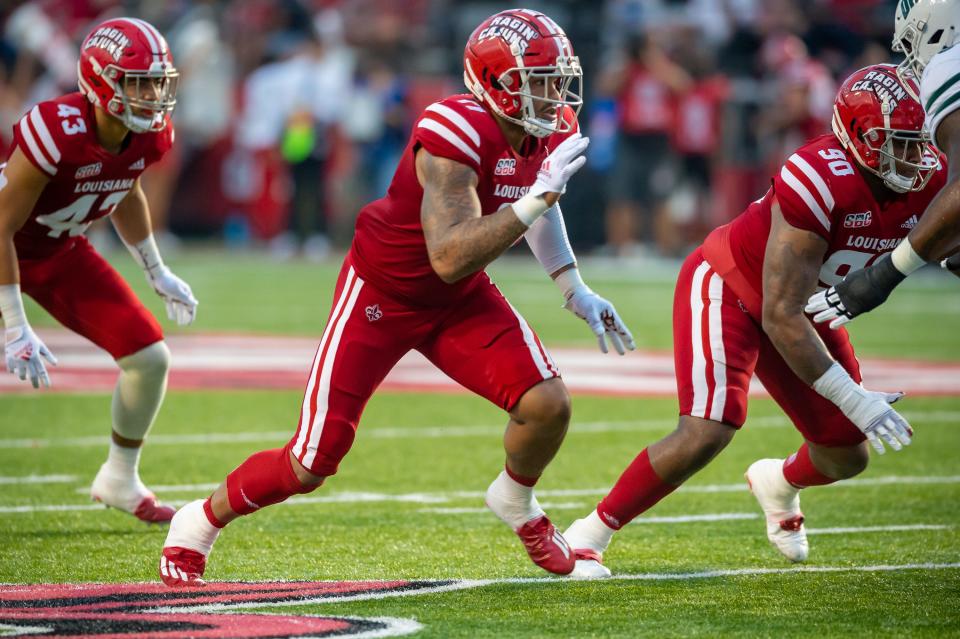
(389, 249)
(86, 181)
(820, 190)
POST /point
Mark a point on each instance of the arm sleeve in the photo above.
(804, 195)
(548, 241)
(35, 139)
(446, 132)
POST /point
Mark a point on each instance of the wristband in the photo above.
(570, 283)
(905, 258)
(529, 208)
(11, 306)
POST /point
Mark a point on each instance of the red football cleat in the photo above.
(546, 546)
(153, 512)
(182, 567)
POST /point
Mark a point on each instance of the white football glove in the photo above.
(602, 318)
(560, 165)
(24, 351)
(826, 306)
(870, 411)
(889, 426)
(176, 294)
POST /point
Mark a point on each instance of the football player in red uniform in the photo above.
(839, 202)
(927, 33)
(76, 159)
(481, 171)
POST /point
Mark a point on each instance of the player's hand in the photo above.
(25, 353)
(602, 318)
(872, 413)
(889, 426)
(559, 167)
(951, 264)
(176, 294)
(858, 293)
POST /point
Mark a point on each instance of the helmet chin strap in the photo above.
(892, 178)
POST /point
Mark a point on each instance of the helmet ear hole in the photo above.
(494, 82)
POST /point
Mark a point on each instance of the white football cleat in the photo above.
(780, 502)
(127, 493)
(587, 549)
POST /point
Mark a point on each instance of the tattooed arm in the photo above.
(791, 270)
(460, 241)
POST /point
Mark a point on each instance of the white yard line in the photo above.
(870, 529)
(39, 479)
(387, 432)
(441, 497)
(429, 432)
(464, 584)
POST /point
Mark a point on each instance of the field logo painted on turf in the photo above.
(87, 610)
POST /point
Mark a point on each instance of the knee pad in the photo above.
(140, 390)
(152, 361)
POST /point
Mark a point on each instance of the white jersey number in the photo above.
(839, 165)
(66, 111)
(845, 262)
(72, 218)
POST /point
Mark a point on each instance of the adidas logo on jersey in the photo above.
(858, 220)
(912, 222)
(88, 171)
(136, 166)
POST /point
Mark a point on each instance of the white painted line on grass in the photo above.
(48, 508)
(426, 432)
(39, 479)
(741, 572)
(464, 584)
(869, 529)
(441, 497)
(445, 497)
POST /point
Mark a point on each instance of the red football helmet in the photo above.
(877, 120)
(126, 68)
(520, 64)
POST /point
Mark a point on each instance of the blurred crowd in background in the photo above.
(292, 114)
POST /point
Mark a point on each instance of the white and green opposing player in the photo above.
(927, 32)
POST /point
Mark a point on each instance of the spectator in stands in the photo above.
(646, 85)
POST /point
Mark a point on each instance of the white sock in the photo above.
(123, 461)
(191, 529)
(590, 532)
(512, 502)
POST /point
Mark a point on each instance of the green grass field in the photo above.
(407, 503)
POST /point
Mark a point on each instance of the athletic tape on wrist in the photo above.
(529, 208)
(11, 306)
(905, 258)
(570, 282)
(146, 253)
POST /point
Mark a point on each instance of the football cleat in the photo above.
(781, 506)
(189, 542)
(589, 565)
(182, 567)
(129, 495)
(589, 560)
(546, 546)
